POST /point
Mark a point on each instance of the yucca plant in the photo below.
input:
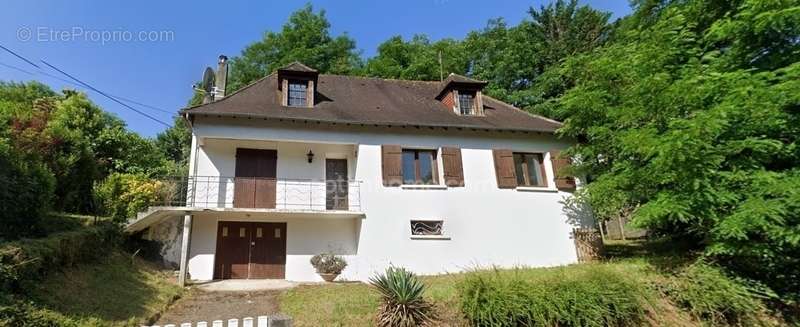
(402, 301)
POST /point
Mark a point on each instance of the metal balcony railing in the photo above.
(266, 193)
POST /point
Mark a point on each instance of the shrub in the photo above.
(23, 314)
(328, 263)
(31, 259)
(402, 302)
(590, 295)
(26, 190)
(124, 195)
(709, 295)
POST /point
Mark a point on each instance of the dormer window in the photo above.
(463, 95)
(296, 85)
(466, 103)
(298, 91)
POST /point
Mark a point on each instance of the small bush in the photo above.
(711, 296)
(124, 195)
(328, 263)
(23, 314)
(402, 302)
(590, 295)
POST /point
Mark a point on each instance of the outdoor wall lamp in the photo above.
(310, 156)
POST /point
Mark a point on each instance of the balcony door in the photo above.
(336, 184)
(255, 181)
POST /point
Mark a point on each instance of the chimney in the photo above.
(221, 78)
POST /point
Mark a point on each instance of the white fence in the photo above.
(260, 321)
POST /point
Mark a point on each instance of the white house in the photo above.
(432, 176)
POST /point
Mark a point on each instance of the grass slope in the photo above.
(669, 290)
(119, 291)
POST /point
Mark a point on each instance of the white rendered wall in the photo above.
(305, 237)
(485, 225)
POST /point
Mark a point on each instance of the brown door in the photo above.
(232, 258)
(255, 183)
(336, 184)
(250, 250)
(268, 254)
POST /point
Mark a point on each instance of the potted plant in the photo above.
(328, 265)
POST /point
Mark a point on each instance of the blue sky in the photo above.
(155, 50)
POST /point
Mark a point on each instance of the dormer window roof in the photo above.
(460, 80)
(464, 94)
(297, 67)
(296, 83)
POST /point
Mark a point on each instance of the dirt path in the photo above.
(208, 306)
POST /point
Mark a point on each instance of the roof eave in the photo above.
(376, 123)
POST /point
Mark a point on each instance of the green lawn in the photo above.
(119, 291)
(355, 304)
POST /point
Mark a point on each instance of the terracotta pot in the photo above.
(328, 277)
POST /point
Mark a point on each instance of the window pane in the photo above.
(426, 167)
(466, 101)
(409, 171)
(534, 168)
(297, 93)
(518, 166)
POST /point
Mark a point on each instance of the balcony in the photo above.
(219, 192)
(267, 196)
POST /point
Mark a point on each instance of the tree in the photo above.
(513, 59)
(26, 193)
(690, 124)
(77, 141)
(417, 59)
(305, 38)
(175, 145)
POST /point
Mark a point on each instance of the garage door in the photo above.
(250, 250)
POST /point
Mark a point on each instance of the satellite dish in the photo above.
(208, 80)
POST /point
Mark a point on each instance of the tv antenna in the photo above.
(441, 74)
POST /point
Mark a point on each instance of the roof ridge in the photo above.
(381, 78)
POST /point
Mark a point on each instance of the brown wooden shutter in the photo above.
(392, 164)
(559, 164)
(310, 94)
(284, 92)
(453, 167)
(504, 168)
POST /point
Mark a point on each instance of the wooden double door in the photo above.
(250, 250)
(255, 182)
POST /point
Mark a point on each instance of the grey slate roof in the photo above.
(363, 100)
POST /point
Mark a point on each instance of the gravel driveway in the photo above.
(201, 305)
